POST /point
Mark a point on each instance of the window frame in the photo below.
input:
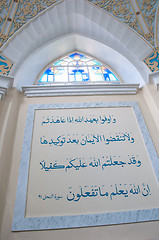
(77, 82)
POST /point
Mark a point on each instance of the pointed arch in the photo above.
(76, 67)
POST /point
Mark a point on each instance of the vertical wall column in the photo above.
(9, 107)
(151, 96)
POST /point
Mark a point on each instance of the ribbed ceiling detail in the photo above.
(78, 17)
(139, 15)
(74, 16)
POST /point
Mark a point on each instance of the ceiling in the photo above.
(126, 29)
(139, 15)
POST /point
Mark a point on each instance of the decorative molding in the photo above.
(5, 65)
(4, 11)
(15, 14)
(154, 79)
(18, 13)
(6, 82)
(152, 60)
(122, 10)
(3, 92)
(125, 12)
(80, 89)
(148, 11)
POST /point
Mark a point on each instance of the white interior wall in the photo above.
(77, 25)
(32, 66)
(70, 25)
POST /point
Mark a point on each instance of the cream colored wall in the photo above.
(151, 96)
(13, 109)
(9, 107)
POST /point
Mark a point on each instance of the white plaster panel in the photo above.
(21, 223)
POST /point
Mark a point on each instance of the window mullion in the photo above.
(92, 65)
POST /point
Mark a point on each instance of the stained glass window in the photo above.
(77, 67)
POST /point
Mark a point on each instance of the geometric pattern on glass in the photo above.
(77, 67)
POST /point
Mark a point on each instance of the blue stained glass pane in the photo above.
(85, 75)
(106, 70)
(50, 78)
(72, 72)
(48, 71)
(61, 74)
(78, 74)
(60, 63)
(93, 62)
(108, 75)
(47, 76)
(76, 56)
(77, 63)
(74, 68)
(71, 78)
(73, 63)
(81, 63)
(43, 79)
(86, 59)
(95, 74)
(67, 59)
(112, 77)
